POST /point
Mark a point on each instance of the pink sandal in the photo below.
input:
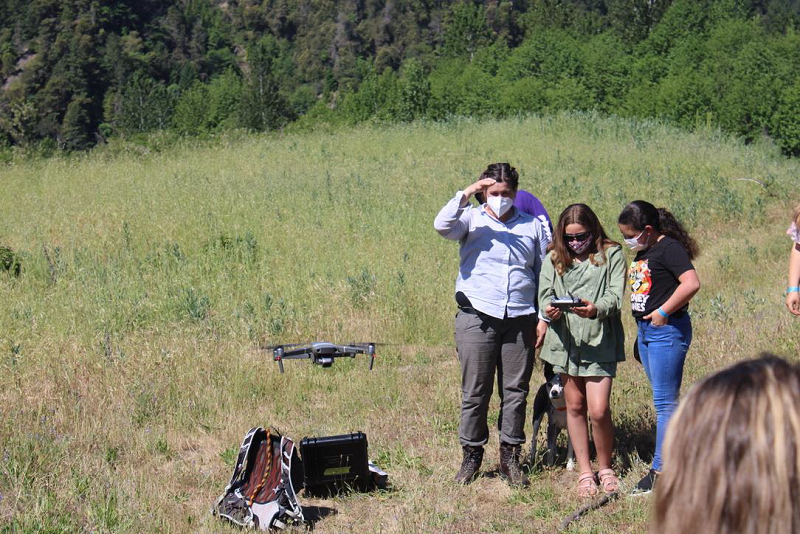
(609, 480)
(587, 487)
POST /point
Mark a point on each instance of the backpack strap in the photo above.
(241, 460)
(287, 455)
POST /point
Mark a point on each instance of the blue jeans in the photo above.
(662, 350)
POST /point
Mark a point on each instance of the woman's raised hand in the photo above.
(479, 186)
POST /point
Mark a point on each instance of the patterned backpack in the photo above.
(261, 492)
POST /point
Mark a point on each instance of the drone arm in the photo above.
(350, 350)
(296, 354)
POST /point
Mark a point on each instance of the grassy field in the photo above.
(129, 346)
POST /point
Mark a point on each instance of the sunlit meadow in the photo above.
(130, 361)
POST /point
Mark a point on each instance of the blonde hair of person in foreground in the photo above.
(732, 453)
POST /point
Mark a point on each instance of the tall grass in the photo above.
(129, 344)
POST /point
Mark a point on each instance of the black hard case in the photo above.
(333, 462)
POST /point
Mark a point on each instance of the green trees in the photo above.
(377, 97)
(205, 108)
(74, 72)
(145, 105)
(466, 30)
(786, 121)
(75, 128)
(415, 92)
(262, 106)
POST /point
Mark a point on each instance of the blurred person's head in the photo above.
(732, 453)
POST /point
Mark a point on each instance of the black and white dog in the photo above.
(550, 400)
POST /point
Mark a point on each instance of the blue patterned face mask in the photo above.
(500, 205)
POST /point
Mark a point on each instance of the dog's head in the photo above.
(555, 389)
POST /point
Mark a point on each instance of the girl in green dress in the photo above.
(584, 343)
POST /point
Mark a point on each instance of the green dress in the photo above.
(575, 345)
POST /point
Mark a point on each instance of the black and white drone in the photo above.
(321, 352)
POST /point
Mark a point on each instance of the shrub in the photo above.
(145, 105)
(378, 96)
(9, 261)
(550, 54)
(526, 95)
(463, 89)
(205, 108)
(415, 92)
(786, 121)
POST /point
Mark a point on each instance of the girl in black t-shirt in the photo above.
(663, 281)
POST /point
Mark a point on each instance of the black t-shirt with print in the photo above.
(654, 273)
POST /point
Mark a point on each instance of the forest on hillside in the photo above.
(74, 73)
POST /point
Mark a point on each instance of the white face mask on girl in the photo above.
(500, 205)
(633, 243)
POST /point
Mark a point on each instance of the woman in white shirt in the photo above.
(501, 252)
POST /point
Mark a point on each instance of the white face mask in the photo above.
(500, 205)
(633, 243)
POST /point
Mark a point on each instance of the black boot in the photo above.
(509, 465)
(473, 457)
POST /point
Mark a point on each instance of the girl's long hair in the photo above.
(796, 217)
(578, 214)
(641, 213)
(732, 453)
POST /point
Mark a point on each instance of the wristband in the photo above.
(793, 289)
(663, 313)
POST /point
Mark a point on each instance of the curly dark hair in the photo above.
(641, 213)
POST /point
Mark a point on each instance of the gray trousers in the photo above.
(485, 344)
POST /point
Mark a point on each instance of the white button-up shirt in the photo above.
(500, 261)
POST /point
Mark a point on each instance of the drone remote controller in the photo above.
(566, 302)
